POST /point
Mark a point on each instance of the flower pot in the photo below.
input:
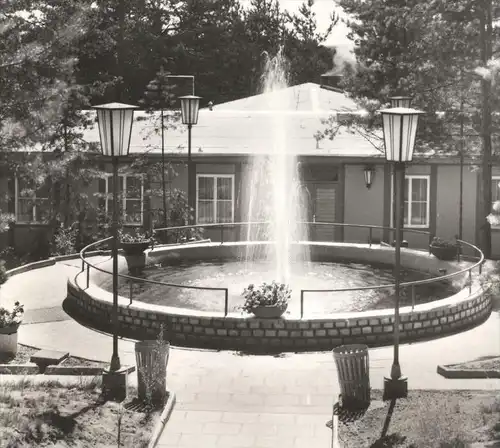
(135, 263)
(134, 248)
(444, 252)
(269, 311)
(8, 340)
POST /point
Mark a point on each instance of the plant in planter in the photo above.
(443, 249)
(267, 300)
(134, 243)
(9, 323)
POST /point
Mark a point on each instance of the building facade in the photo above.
(331, 162)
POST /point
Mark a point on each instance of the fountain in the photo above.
(275, 192)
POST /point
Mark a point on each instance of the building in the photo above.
(229, 135)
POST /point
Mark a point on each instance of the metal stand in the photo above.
(397, 386)
(115, 359)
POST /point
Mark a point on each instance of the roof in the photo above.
(288, 118)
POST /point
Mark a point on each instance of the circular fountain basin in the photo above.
(93, 305)
(236, 275)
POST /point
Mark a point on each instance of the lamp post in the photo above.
(400, 128)
(115, 129)
(190, 105)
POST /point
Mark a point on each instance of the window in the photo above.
(32, 205)
(130, 193)
(214, 199)
(417, 200)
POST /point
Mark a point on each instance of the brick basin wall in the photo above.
(93, 306)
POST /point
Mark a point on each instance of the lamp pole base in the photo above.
(115, 384)
(395, 388)
(115, 363)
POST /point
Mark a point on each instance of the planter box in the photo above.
(451, 372)
(444, 253)
(269, 311)
(134, 248)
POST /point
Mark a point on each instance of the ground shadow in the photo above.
(6, 358)
(61, 426)
(389, 440)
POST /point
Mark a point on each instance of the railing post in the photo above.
(370, 236)
(226, 302)
(480, 268)
(413, 296)
(131, 292)
(88, 275)
(83, 264)
(470, 281)
(459, 248)
(301, 303)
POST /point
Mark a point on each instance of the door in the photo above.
(323, 196)
(322, 209)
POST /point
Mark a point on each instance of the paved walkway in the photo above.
(225, 399)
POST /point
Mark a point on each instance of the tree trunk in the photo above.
(484, 204)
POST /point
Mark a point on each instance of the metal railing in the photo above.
(143, 280)
(479, 260)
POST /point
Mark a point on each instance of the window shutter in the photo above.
(101, 202)
(11, 194)
(146, 204)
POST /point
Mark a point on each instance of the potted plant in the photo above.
(9, 323)
(443, 249)
(134, 243)
(269, 300)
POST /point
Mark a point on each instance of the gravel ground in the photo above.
(427, 419)
(492, 363)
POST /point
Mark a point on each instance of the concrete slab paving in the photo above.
(225, 399)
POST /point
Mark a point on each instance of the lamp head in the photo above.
(190, 105)
(400, 129)
(115, 128)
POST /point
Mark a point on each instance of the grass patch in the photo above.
(427, 419)
(51, 414)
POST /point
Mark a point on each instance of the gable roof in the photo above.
(289, 117)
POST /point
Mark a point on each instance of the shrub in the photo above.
(65, 241)
(3, 272)
(267, 294)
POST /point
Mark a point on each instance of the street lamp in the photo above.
(190, 105)
(115, 129)
(400, 129)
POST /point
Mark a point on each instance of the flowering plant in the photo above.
(11, 318)
(441, 242)
(136, 237)
(267, 294)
